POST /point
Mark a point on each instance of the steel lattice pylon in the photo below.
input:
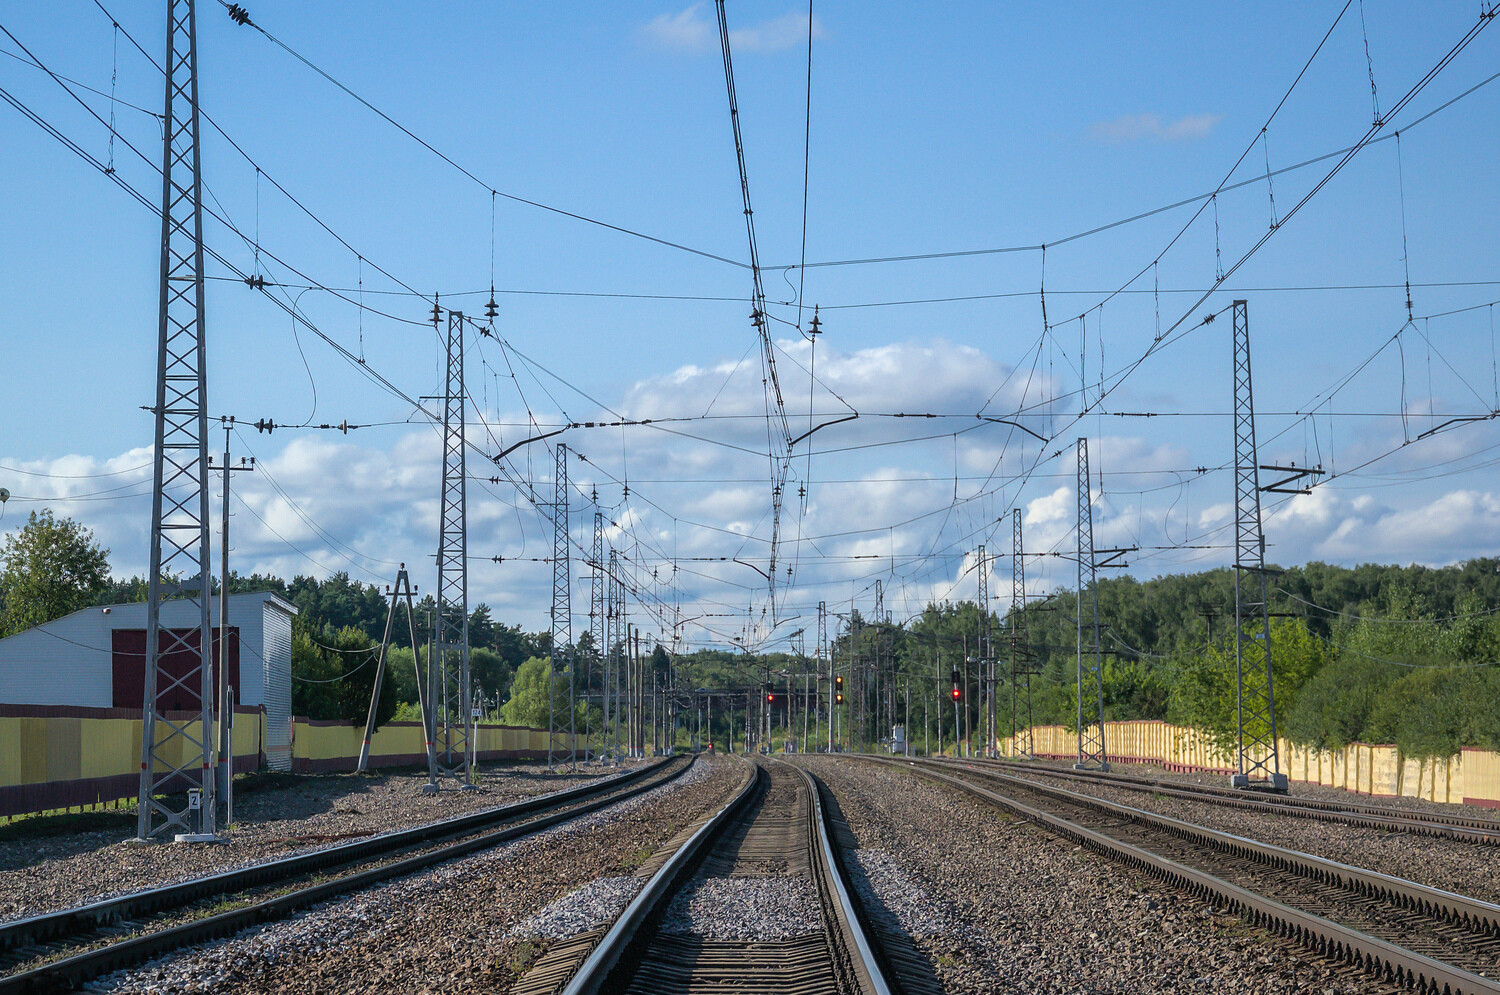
(1258, 760)
(560, 653)
(1091, 749)
(596, 614)
(986, 686)
(619, 682)
(822, 651)
(177, 707)
(1022, 664)
(449, 672)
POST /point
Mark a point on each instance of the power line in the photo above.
(488, 187)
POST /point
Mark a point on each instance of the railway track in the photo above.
(1428, 939)
(775, 828)
(1444, 825)
(62, 950)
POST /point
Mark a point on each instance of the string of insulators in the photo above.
(238, 14)
(436, 311)
(492, 310)
(268, 426)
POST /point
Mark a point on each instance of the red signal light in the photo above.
(956, 694)
(770, 697)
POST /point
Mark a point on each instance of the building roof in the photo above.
(129, 609)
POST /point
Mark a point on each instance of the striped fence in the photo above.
(58, 757)
(1472, 777)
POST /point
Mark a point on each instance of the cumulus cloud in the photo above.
(692, 31)
(1149, 127)
(905, 500)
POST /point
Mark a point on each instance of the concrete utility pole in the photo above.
(452, 659)
(968, 734)
(176, 750)
(1022, 661)
(823, 656)
(225, 782)
(906, 722)
(401, 590)
(937, 684)
(560, 655)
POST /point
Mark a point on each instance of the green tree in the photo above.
(1205, 693)
(527, 705)
(53, 567)
(333, 676)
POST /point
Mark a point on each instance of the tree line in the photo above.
(1372, 653)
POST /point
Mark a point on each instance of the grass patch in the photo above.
(636, 859)
(523, 956)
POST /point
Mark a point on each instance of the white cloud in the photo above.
(1142, 127)
(692, 30)
(873, 509)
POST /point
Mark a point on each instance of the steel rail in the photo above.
(860, 954)
(1474, 913)
(607, 966)
(606, 957)
(70, 972)
(1441, 824)
(1325, 936)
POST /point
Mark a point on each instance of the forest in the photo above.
(1372, 653)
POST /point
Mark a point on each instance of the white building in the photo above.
(95, 658)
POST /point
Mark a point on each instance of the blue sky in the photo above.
(934, 129)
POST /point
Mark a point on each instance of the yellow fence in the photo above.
(1472, 777)
(57, 758)
(335, 745)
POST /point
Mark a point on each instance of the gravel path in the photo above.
(1466, 868)
(65, 869)
(450, 928)
(1002, 906)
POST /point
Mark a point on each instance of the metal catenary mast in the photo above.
(560, 655)
(1091, 749)
(1258, 758)
(986, 687)
(178, 717)
(618, 648)
(451, 660)
(597, 625)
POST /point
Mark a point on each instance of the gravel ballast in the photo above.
(745, 908)
(65, 869)
(450, 928)
(595, 904)
(1451, 865)
(1040, 914)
